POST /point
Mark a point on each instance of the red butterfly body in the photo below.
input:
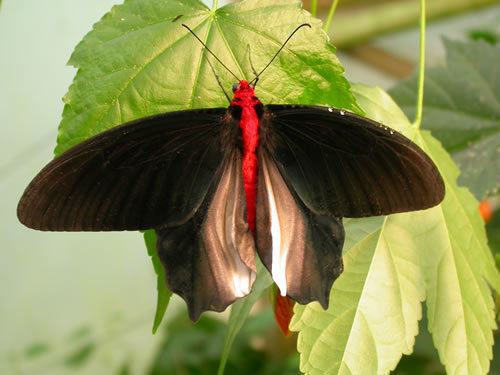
(244, 98)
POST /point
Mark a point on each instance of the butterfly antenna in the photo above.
(213, 54)
(218, 79)
(282, 46)
(256, 79)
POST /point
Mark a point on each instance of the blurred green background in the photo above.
(83, 303)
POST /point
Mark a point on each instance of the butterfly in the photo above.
(223, 186)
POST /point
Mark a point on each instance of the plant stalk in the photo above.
(314, 7)
(329, 18)
(215, 5)
(421, 68)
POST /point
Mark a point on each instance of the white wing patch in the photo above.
(286, 224)
(278, 265)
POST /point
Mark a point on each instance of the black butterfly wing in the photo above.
(140, 175)
(179, 173)
(210, 259)
(317, 165)
(300, 248)
(345, 165)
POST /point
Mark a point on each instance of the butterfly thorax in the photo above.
(244, 98)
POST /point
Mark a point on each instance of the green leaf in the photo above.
(462, 109)
(394, 263)
(375, 306)
(460, 307)
(164, 293)
(139, 61)
(240, 310)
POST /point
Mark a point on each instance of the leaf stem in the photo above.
(329, 18)
(215, 4)
(421, 68)
(314, 7)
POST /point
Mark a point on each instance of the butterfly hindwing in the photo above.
(345, 165)
(210, 259)
(140, 175)
(301, 249)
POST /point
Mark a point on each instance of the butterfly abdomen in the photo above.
(250, 136)
(245, 99)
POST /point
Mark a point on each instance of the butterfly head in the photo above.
(244, 95)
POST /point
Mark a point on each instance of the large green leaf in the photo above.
(139, 60)
(456, 263)
(394, 263)
(462, 109)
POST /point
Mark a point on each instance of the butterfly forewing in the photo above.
(344, 165)
(140, 175)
